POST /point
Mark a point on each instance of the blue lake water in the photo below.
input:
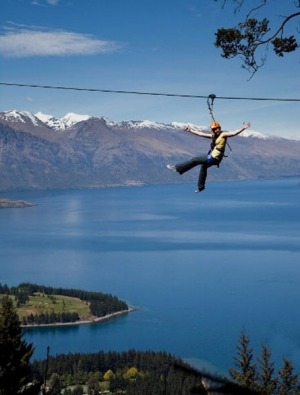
(199, 268)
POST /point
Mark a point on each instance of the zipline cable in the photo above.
(147, 93)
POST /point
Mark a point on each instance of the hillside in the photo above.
(89, 152)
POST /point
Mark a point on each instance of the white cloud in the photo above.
(50, 2)
(25, 42)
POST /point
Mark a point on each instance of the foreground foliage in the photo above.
(262, 376)
(131, 373)
(245, 39)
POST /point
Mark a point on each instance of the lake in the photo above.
(198, 268)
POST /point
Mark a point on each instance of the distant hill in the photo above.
(42, 152)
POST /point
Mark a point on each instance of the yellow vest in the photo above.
(219, 148)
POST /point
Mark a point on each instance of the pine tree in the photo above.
(15, 373)
(245, 372)
(288, 385)
(267, 383)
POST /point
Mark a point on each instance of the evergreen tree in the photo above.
(288, 383)
(266, 382)
(15, 373)
(245, 372)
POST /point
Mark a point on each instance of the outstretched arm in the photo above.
(245, 126)
(188, 128)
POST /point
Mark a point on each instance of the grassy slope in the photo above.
(41, 303)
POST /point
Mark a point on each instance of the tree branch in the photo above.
(280, 29)
(249, 35)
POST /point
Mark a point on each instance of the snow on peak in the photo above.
(50, 121)
(72, 118)
(146, 124)
(19, 116)
(181, 125)
(61, 123)
(253, 133)
(44, 117)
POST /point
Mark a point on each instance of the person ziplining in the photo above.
(216, 152)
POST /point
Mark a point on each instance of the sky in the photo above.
(159, 46)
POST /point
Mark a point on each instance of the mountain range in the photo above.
(39, 151)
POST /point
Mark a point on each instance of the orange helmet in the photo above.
(215, 125)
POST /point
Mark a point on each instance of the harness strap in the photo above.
(230, 149)
(210, 105)
(222, 150)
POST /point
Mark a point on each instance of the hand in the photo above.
(246, 125)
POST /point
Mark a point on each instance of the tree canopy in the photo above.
(15, 372)
(251, 38)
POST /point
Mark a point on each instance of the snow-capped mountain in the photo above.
(15, 116)
(38, 119)
(76, 151)
(146, 124)
(258, 135)
(63, 123)
(180, 125)
(70, 119)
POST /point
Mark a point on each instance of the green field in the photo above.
(42, 303)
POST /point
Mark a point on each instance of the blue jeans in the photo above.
(205, 161)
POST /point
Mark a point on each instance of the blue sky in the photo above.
(140, 45)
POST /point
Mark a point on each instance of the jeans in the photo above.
(205, 161)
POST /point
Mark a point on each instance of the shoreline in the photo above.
(95, 320)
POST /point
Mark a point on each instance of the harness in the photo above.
(213, 146)
(210, 104)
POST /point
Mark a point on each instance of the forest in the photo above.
(148, 372)
(131, 373)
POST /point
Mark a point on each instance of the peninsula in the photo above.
(38, 305)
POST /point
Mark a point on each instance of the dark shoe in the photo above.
(200, 189)
(172, 167)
